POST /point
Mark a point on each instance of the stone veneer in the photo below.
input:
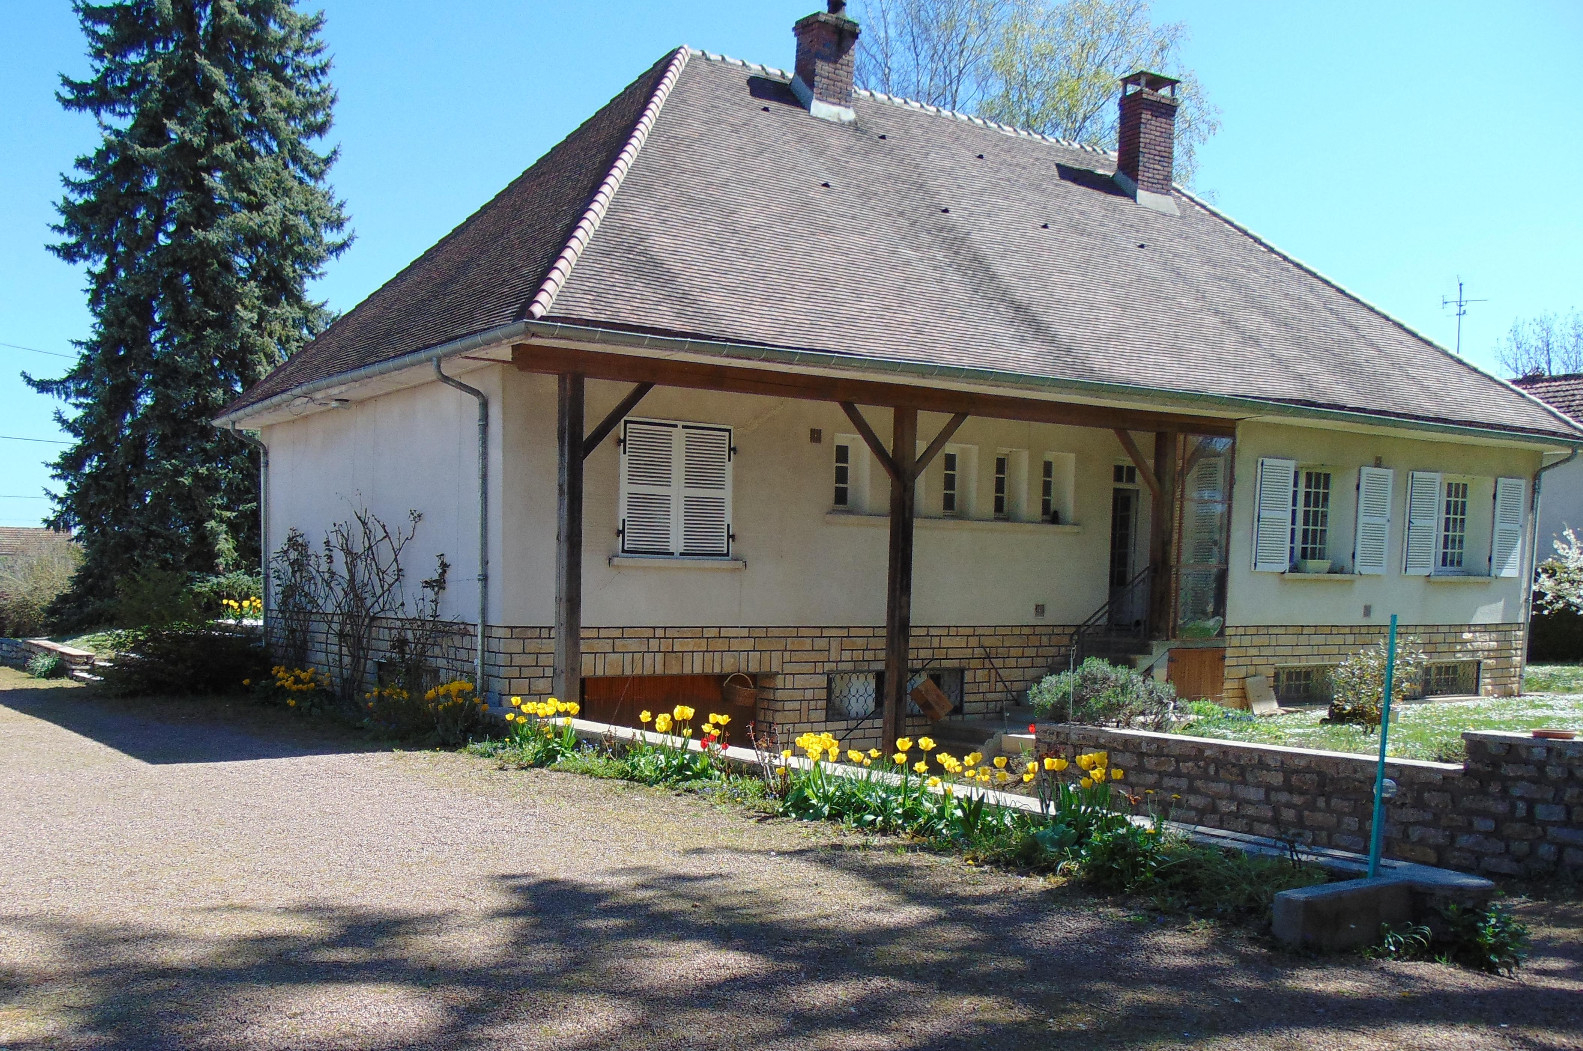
(1514, 807)
(1260, 650)
(789, 665)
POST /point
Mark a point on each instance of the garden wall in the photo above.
(1515, 807)
(15, 653)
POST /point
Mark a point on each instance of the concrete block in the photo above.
(1345, 915)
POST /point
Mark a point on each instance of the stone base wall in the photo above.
(15, 653)
(1260, 650)
(1515, 807)
(790, 666)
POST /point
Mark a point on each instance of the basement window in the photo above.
(1303, 684)
(853, 695)
(1451, 678)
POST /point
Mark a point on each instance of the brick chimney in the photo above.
(1146, 144)
(826, 60)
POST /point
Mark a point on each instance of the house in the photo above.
(22, 541)
(1562, 507)
(756, 375)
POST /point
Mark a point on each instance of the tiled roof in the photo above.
(23, 540)
(909, 236)
(1564, 393)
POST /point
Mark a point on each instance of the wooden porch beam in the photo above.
(1136, 455)
(898, 577)
(946, 434)
(743, 379)
(614, 418)
(871, 439)
(568, 674)
(1162, 537)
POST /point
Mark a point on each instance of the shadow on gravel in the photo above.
(182, 730)
(648, 958)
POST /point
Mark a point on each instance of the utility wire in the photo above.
(35, 350)
(14, 496)
(45, 441)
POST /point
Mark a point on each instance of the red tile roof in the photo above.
(1564, 393)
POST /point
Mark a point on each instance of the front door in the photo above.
(1126, 607)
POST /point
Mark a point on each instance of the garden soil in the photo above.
(209, 875)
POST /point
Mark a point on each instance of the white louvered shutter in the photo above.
(706, 492)
(1423, 523)
(1373, 537)
(1506, 538)
(648, 487)
(1272, 521)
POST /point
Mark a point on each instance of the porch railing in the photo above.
(1103, 623)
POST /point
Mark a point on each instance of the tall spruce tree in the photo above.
(200, 218)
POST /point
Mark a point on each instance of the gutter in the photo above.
(263, 519)
(1220, 404)
(1533, 563)
(483, 516)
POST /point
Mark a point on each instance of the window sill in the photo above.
(1460, 578)
(675, 562)
(1321, 576)
(854, 518)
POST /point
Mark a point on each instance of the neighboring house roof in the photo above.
(705, 202)
(22, 540)
(1563, 393)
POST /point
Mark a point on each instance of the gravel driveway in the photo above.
(182, 876)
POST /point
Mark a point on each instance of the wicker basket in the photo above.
(743, 699)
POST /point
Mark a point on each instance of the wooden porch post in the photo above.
(568, 680)
(898, 583)
(1162, 529)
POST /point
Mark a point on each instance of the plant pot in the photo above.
(1555, 735)
(1316, 565)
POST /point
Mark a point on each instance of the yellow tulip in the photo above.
(903, 744)
(934, 782)
(854, 755)
(644, 717)
(1087, 782)
(1115, 775)
(1000, 762)
(899, 759)
(874, 753)
(573, 708)
(1049, 763)
(786, 753)
(921, 766)
(926, 743)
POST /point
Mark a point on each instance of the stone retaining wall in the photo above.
(1260, 650)
(15, 653)
(1515, 807)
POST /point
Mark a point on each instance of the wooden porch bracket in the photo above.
(614, 418)
(569, 451)
(946, 434)
(1136, 455)
(871, 439)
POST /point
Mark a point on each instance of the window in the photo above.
(853, 695)
(1002, 506)
(1451, 678)
(675, 489)
(1311, 512)
(1125, 474)
(843, 475)
(1047, 511)
(948, 486)
(1303, 684)
(1454, 525)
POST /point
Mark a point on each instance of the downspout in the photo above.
(1533, 566)
(263, 520)
(483, 516)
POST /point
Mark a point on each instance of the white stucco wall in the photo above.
(804, 566)
(414, 449)
(1255, 598)
(1560, 505)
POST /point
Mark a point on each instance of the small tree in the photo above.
(1547, 345)
(1358, 683)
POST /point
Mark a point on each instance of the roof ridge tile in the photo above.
(561, 269)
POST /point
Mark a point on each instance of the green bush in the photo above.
(1099, 693)
(1490, 939)
(47, 666)
(29, 585)
(184, 660)
(1358, 683)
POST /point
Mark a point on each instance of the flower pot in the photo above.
(1555, 735)
(1316, 565)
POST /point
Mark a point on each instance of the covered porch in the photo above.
(1180, 466)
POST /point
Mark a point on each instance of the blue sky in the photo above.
(1394, 146)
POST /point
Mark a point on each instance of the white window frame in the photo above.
(842, 482)
(1300, 511)
(1445, 533)
(689, 502)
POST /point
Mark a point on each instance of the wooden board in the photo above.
(618, 699)
(1199, 674)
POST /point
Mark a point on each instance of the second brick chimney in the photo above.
(826, 62)
(1146, 143)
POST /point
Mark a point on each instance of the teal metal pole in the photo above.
(1377, 831)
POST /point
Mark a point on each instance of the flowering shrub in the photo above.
(304, 689)
(448, 714)
(238, 610)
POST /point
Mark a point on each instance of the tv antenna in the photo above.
(1461, 304)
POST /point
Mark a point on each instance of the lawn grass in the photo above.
(1419, 730)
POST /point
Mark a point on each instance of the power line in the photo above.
(15, 496)
(35, 350)
(45, 441)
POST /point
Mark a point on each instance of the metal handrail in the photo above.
(1100, 618)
